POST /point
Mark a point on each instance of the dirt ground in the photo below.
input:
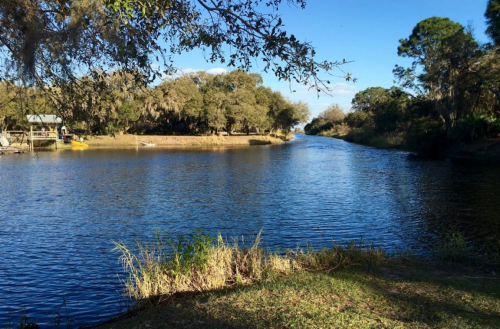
(133, 140)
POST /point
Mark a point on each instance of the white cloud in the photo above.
(343, 89)
(217, 70)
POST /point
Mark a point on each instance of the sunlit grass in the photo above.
(201, 281)
(198, 262)
(420, 295)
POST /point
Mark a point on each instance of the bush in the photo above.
(359, 119)
(453, 246)
(389, 118)
(476, 127)
(427, 136)
(199, 262)
(318, 125)
(311, 129)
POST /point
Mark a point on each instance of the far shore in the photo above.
(129, 140)
(210, 140)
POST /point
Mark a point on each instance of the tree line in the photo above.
(449, 94)
(103, 103)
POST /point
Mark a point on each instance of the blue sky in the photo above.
(364, 31)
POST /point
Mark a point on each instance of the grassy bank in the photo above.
(391, 296)
(368, 138)
(384, 141)
(205, 282)
(486, 150)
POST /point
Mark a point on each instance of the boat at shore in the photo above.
(79, 144)
(148, 144)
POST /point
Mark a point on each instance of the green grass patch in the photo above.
(200, 281)
(392, 296)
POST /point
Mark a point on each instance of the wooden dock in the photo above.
(48, 133)
(11, 150)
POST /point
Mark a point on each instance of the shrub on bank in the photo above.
(199, 262)
(427, 136)
(476, 127)
(371, 137)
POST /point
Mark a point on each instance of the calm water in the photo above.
(61, 211)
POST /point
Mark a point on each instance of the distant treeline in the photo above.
(190, 104)
(450, 93)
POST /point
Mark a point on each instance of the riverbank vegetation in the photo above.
(448, 96)
(190, 104)
(204, 281)
(199, 262)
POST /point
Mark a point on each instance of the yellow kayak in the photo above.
(79, 144)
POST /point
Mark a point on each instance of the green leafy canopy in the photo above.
(52, 41)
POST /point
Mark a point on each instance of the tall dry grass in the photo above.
(199, 262)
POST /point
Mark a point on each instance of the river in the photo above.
(60, 211)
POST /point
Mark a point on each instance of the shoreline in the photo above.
(484, 151)
(159, 140)
(174, 141)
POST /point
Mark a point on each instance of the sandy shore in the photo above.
(170, 141)
(133, 140)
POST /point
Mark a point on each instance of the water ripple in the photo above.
(61, 211)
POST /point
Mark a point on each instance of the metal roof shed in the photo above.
(43, 136)
(43, 118)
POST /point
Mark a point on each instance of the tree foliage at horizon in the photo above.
(189, 104)
(326, 120)
(493, 21)
(453, 88)
(52, 42)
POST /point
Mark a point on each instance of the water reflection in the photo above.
(61, 211)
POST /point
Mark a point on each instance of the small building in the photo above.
(43, 130)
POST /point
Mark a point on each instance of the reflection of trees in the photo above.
(420, 201)
(462, 196)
